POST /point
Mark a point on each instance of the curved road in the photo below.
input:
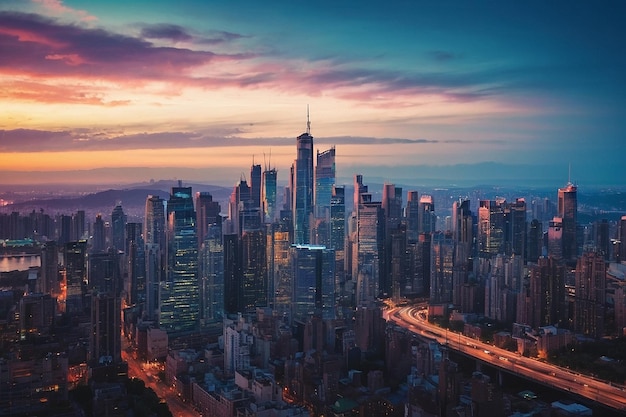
(415, 319)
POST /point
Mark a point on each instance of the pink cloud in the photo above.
(57, 6)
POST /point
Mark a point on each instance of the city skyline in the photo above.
(156, 89)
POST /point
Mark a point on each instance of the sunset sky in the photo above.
(403, 89)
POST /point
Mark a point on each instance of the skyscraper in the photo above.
(568, 212)
(75, 275)
(426, 214)
(118, 224)
(547, 293)
(135, 254)
(255, 185)
(370, 247)
(268, 194)
(154, 239)
(253, 269)
(207, 214)
(212, 277)
(180, 303)
(279, 266)
(154, 222)
(303, 192)
(105, 341)
(491, 227)
(324, 181)
(392, 208)
(442, 268)
(104, 272)
(515, 217)
(99, 235)
(535, 240)
(313, 282)
(622, 239)
(411, 214)
(589, 304)
(463, 235)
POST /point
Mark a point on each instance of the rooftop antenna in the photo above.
(308, 121)
(569, 173)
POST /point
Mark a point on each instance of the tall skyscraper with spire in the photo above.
(303, 182)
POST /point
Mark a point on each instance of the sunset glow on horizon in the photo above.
(198, 85)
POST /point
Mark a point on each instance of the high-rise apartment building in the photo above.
(547, 293)
(590, 300)
(568, 212)
(180, 295)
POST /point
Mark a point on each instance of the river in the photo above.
(18, 262)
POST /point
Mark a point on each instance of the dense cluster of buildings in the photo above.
(264, 306)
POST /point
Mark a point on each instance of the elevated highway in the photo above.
(415, 319)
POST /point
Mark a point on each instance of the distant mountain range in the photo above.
(133, 196)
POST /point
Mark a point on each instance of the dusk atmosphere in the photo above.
(404, 89)
(236, 208)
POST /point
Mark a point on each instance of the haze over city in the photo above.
(196, 90)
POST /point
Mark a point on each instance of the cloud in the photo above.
(57, 7)
(165, 31)
(30, 140)
(41, 47)
(443, 56)
(44, 49)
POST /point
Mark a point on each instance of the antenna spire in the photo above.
(308, 121)
(569, 173)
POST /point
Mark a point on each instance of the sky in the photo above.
(481, 91)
